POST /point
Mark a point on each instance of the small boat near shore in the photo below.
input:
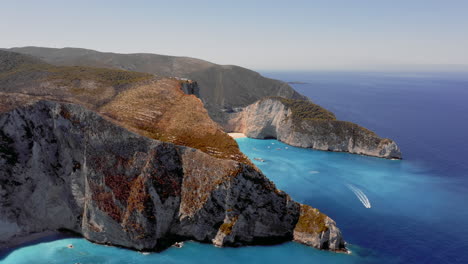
(178, 244)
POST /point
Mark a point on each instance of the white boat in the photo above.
(178, 244)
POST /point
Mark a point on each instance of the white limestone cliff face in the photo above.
(271, 118)
(65, 167)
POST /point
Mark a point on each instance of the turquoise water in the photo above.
(84, 252)
(414, 216)
(407, 220)
(409, 211)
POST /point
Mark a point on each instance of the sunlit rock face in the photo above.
(304, 124)
(63, 166)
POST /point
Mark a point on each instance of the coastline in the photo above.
(237, 135)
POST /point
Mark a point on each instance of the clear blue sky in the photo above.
(295, 35)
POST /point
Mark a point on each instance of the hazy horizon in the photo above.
(360, 68)
(265, 35)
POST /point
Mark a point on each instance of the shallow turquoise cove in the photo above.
(87, 253)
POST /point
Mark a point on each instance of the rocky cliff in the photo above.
(304, 124)
(62, 166)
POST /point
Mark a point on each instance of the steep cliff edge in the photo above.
(303, 124)
(62, 166)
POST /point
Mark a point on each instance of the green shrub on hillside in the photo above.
(105, 76)
(13, 64)
(304, 109)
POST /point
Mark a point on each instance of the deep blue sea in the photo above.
(409, 211)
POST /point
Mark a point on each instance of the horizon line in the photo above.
(382, 67)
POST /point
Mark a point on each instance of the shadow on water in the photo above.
(5, 252)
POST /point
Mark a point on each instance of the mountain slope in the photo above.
(222, 87)
(152, 106)
(306, 131)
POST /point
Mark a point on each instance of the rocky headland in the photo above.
(66, 167)
(135, 159)
(303, 124)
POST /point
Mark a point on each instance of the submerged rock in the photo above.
(303, 124)
(65, 167)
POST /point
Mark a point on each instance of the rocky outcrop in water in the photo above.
(304, 124)
(65, 167)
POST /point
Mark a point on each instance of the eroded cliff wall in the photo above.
(303, 124)
(62, 166)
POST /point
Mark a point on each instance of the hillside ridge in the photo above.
(222, 87)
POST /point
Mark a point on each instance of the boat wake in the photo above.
(360, 195)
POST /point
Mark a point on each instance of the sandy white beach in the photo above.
(237, 135)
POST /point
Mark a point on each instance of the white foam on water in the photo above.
(314, 172)
(360, 195)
